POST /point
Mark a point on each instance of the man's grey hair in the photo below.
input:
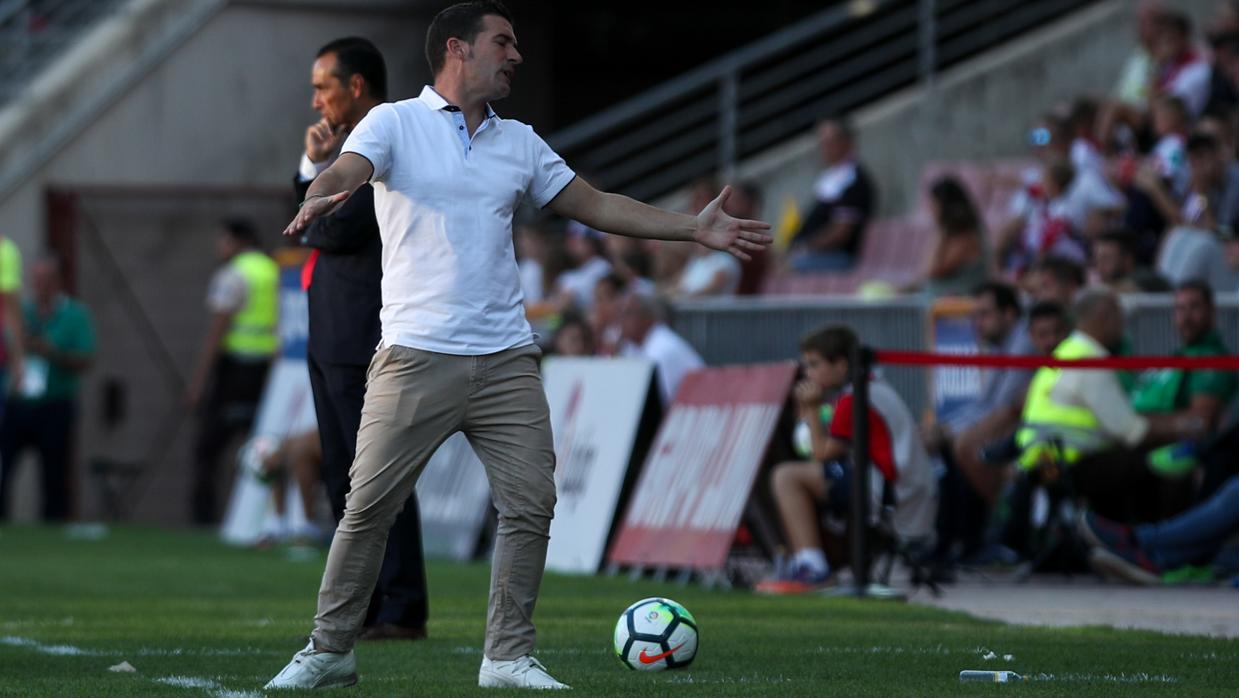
(649, 306)
(1094, 301)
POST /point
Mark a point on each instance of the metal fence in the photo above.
(758, 329)
(33, 32)
(774, 89)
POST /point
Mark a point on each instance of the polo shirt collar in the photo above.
(431, 98)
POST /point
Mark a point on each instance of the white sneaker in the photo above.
(312, 669)
(524, 672)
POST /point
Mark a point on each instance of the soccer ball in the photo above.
(655, 634)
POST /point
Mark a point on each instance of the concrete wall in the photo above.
(980, 110)
(226, 110)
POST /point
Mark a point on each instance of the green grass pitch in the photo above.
(196, 618)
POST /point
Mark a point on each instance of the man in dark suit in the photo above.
(344, 273)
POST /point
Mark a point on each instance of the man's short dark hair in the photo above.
(843, 122)
(1120, 238)
(1047, 309)
(1063, 270)
(1199, 286)
(460, 21)
(1175, 21)
(358, 56)
(1004, 295)
(831, 343)
(617, 283)
(1202, 143)
(240, 229)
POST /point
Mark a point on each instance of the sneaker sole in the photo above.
(1086, 532)
(343, 682)
(492, 680)
(1111, 565)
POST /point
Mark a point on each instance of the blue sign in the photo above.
(294, 314)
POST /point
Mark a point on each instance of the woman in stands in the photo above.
(959, 262)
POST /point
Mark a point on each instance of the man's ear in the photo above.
(357, 86)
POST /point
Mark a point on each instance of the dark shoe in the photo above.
(390, 631)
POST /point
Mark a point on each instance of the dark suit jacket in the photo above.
(345, 291)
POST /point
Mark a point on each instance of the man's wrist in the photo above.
(309, 198)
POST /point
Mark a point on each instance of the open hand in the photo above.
(719, 231)
(312, 208)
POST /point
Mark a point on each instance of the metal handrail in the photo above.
(706, 120)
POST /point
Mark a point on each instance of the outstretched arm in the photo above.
(613, 213)
(330, 189)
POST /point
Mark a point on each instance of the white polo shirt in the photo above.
(444, 203)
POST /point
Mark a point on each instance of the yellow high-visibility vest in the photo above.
(1053, 430)
(253, 332)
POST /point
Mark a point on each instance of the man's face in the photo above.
(634, 323)
(1168, 44)
(1047, 287)
(334, 100)
(1193, 316)
(1112, 263)
(829, 375)
(1232, 254)
(991, 324)
(606, 302)
(1046, 333)
(490, 60)
(1110, 328)
(833, 143)
(1207, 167)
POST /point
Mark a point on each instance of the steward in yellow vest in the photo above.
(232, 367)
(1080, 420)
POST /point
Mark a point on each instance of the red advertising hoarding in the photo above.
(702, 467)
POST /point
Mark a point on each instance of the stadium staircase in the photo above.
(63, 62)
(757, 98)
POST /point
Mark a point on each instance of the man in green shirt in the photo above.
(1201, 393)
(11, 350)
(42, 410)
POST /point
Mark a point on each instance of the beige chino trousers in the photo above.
(414, 401)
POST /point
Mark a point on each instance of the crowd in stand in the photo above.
(1134, 191)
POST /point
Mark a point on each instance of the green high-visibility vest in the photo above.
(1050, 429)
(253, 332)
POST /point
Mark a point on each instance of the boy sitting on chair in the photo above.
(901, 476)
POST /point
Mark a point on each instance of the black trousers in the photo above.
(399, 597)
(1119, 485)
(46, 427)
(227, 410)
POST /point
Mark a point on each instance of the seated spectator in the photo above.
(1192, 253)
(708, 273)
(646, 335)
(604, 317)
(1203, 394)
(1114, 260)
(1228, 277)
(1180, 70)
(1132, 89)
(1168, 160)
(1048, 326)
(532, 250)
(845, 198)
(746, 202)
(1086, 155)
(1055, 279)
(297, 455)
(1202, 535)
(575, 287)
(1044, 226)
(1080, 421)
(573, 337)
(1212, 196)
(958, 263)
(961, 436)
(900, 473)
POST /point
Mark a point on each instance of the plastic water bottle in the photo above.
(989, 676)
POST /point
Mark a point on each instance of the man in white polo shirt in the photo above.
(457, 353)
